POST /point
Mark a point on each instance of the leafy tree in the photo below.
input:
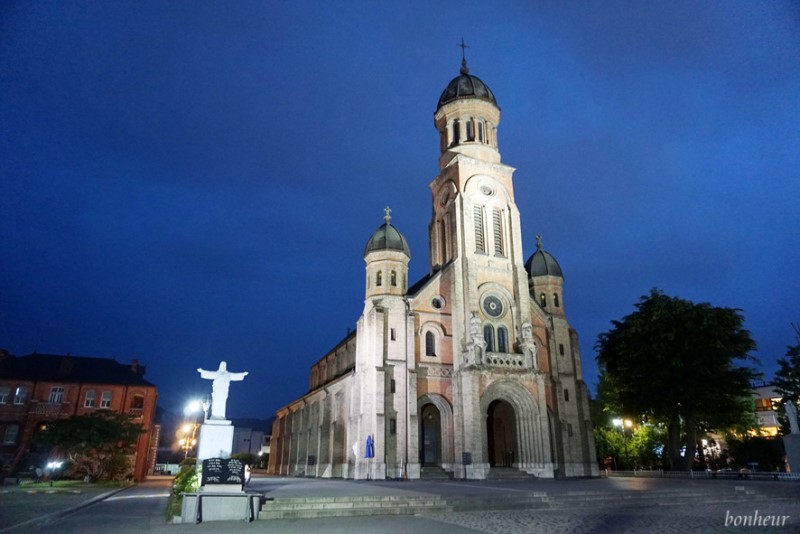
(97, 444)
(787, 379)
(674, 362)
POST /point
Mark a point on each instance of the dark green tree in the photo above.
(674, 362)
(95, 443)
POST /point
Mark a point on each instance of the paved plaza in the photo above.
(539, 506)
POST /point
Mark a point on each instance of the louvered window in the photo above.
(480, 245)
(497, 226)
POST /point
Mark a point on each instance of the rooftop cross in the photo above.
(387, 217)
(538, 242)
(464, 69)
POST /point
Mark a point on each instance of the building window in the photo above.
(91, 399)
(470, 131)
(392, 426)
(10, 435)
(21, 395)
(394, 279)
(379, 279)
(480, 131)
(391, 385)
(497, 226)
(561, 349)
(542, 300)
(488, 337)
(555, 300)
(391, 334)
(477, 214)
(137, 402)
(456, 132)
(502, 339)
(430, 344)
(105, 399)
(56, 395)
(566, 395)
(4, 394)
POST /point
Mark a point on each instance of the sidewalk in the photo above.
(30, 503)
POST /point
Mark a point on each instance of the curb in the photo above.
(43, 520)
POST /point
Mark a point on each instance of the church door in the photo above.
(501, 429)
(430, 436)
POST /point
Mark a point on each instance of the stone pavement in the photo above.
(598, 505)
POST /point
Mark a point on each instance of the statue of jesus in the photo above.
(219, 387)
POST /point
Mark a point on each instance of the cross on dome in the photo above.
(388, 218)
(464, 68)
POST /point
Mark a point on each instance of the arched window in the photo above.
(542, 300)
(430, 344)
(105, 399)
(488, 337)
(10, 435)
(393, 278)
(21, 395)
(555, 300)
(470, 131)
(502, 339)
(477, 217)
(379, 279)
(456, 132)
(90, 400)
(480, 131)
(137, 402)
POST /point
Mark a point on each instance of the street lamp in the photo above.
(622, 424)
(188, 440)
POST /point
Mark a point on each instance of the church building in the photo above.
(472, 371)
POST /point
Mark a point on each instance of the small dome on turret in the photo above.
(466, 85)
(542, 263)
(387, 237)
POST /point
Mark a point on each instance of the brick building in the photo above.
(473, 364)
(39, 388)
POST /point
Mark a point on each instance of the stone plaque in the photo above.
(222, 471)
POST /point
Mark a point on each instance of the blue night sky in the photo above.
(186, 182)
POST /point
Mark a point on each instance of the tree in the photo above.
(97, 444)
(787, 379)
(674, 362)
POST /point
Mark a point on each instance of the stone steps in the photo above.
(304, 508)
(344, 506)
(508, 473)
(435, 473)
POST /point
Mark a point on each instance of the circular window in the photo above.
(493, 306)
(437, 303)
(486, 190)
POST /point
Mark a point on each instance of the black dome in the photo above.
(466, 86)
(387, 237)
(542, 263)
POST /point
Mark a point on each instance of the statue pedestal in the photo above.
(791, 442)
(216, 440)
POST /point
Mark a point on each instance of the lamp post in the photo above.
(189, 429)
(622, 424)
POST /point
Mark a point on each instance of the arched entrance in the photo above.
(430, 436)
(502, 434)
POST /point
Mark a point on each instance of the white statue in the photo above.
(791, 414)
(219, 387)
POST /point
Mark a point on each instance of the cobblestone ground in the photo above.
(662, 519)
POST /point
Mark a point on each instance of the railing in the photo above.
(744, 474)
(46, 408)
(136, 412)
(505, 359)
